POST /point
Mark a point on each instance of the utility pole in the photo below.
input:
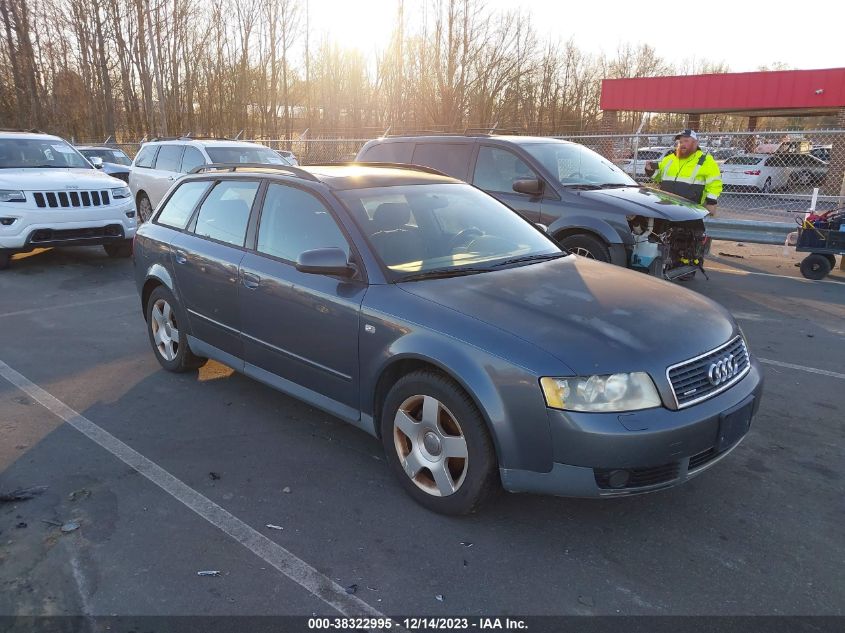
(157, 73)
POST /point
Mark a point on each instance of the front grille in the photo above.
(67, 199)
(697, 461)
(639, 477)
(690, 379)
(42, 236)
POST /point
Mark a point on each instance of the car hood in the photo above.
(51, 178)
(594, 317)
(649, 203)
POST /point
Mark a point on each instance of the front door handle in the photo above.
(181, 257)
(250, 281)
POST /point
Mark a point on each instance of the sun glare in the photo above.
(366, 25)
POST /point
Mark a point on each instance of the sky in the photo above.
(745, 35)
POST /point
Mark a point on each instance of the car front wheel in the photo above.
(437, 444)
(167, 334)
(119, 249)
(586, 246)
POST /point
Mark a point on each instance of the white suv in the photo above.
(50, 195)
(160, 163)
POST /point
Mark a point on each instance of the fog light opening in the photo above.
(7, 221)
(618, 478)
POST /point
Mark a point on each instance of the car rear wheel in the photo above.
(816, 266)
(586, 246)
(169, 340)
(119, 249)
(145, 208)
(437, 444)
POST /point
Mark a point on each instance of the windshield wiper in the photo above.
(442, 273)
(612, 185)
(582, 185)
(529, 258)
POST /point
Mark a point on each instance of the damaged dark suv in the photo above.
(591, 207)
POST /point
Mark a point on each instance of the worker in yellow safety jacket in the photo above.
(688, 172)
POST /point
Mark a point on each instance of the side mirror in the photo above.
(543, 227)
(97, 162)
(325, 261)
(531, 186)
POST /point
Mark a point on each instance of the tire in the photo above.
(803, 178)
(586, 246)
(5, 258)
(815, 266)
(416, 441)
(767, 186)
(163, 317)
(145, 208)
(832, 260)
(119, 249)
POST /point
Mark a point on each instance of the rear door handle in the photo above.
(181, 257)
(250, 281)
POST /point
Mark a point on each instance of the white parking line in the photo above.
(294, 568)
(67, 305)
(732, 271)
(812, 370)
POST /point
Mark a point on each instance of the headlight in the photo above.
(10, 195)
(121, 192)
(617, 392)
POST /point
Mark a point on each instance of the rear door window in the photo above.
(169, 157)
(146, 157)
(224, 214)
(180, 206)
(450, 158)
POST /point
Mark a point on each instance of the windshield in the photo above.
(107, 155)
(442, 227)
(20, 153)
(575, 164)
(256, 154)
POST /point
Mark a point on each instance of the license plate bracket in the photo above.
(734, 423)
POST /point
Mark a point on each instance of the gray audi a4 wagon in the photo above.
(435, 318)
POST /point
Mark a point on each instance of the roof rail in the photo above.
(408, 166)
(293, 171)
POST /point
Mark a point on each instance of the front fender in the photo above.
(592, 225)
(508, 396)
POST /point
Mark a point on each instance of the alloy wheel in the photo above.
(165, 330)
(431, 445)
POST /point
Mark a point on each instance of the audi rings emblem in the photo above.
(723, 370)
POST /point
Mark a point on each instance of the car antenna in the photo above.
(238, 136)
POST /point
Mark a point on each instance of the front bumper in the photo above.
(657, 448)
(66, 227)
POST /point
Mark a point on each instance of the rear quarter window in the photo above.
(180, 206)
(389, 153)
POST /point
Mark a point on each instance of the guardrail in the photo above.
(750, 231)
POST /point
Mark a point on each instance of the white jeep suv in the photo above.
(161, 162)
(50, 195)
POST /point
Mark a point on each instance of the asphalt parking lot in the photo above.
(176, 474)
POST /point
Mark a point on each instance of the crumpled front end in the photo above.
(667, 249)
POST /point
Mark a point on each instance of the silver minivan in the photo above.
(162, 162)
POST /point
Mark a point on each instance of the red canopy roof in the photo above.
(784, 91)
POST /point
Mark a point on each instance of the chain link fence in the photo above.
(771, 175)
(775, 174)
